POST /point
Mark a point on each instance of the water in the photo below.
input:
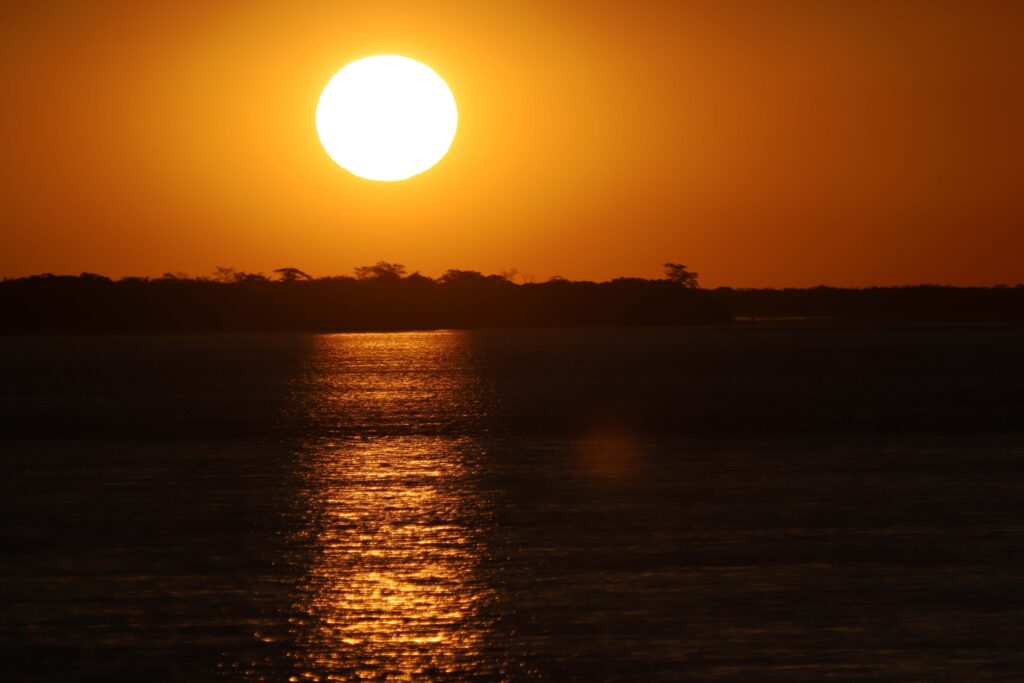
(753, 503)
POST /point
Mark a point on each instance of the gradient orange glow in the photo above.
(762, 143)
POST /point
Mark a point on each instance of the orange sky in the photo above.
(761, 143)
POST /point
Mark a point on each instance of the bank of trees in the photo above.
(921, 303)
(383, 296)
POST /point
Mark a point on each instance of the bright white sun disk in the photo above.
(386, 118)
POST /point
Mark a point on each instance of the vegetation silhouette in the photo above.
(677, 272)
(384, 297)
(379, 297)
(917, 303)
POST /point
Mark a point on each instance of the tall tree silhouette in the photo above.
(678, 273)
(382, 270)
(292, 274)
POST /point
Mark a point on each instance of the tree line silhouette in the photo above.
(384, 296)
(378, 297)
(917, 303)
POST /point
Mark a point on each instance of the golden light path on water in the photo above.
(393, 588)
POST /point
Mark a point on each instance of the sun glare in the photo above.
(386, 118)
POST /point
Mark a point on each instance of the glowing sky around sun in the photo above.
(761, 143)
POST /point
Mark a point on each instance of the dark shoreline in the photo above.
(92, 304)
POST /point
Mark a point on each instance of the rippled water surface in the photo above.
(719, 504)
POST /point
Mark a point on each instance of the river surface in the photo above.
(747, 503)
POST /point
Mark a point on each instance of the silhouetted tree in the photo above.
(381, 270)
(251, 277)
(224, 274)
(229, 276)
(292, 274)
(93, 277)
(454, 275)
(678, 273)
(418, 279)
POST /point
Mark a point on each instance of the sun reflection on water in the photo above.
(394, 588)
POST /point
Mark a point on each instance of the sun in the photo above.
(386, 118)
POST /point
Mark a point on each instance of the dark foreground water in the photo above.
(720, 504)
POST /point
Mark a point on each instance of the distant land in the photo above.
(384, 297)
